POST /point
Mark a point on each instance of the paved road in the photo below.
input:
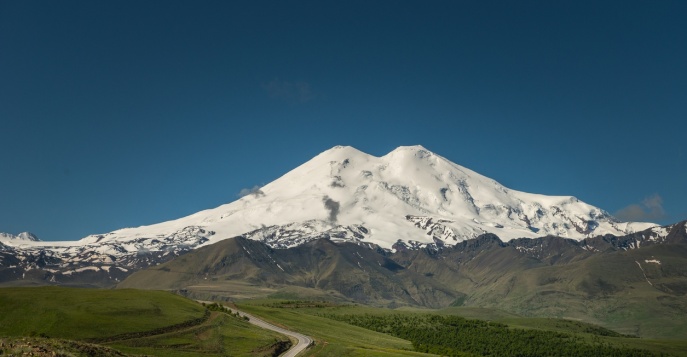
(303, 340)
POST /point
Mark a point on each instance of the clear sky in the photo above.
(116, 114)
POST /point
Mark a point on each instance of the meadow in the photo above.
(96, 322)
(335, 327)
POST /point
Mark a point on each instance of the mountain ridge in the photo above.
(344, 189)
(21, 237)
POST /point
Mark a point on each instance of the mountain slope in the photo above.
(321, 267)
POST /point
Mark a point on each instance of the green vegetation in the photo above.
(552, 324)
(332, 338)
(46, 346)
(457, 336)
(300, 304)
(221, 335)
(486, 326)
(64, 320)
(220, 308)
(81, 314)
(589, 332)
(606, 289)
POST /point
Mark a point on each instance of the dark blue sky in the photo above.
(119, 114)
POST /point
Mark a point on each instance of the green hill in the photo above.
(90, 313)
(131, 321)
(454, 331)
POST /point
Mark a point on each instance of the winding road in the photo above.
(303, 340)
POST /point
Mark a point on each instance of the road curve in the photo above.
(303, 340)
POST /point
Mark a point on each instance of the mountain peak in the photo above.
(21, 237)
(340, 152)
(417, 151)
(413, 148)
(409, 194)
(28, 236)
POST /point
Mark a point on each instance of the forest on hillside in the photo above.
(457, 336)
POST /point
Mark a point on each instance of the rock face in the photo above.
(410, 198)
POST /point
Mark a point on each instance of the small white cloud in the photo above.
(255, 190)
(650, 209)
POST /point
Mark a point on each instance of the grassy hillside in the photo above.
(221, 335)
(319, 320)
(611, 290)
(131, 321)
(332, 338)
(138, 322)
(90, 313)
(37, 346)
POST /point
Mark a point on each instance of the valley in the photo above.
(120, 324)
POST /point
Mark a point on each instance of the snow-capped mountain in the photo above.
(410, 197)
(21, 237)
(410, 194)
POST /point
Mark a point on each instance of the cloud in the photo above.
(255, 190)
(331, 206)
(299, 92)
(650, 209)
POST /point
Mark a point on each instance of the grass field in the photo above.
(37, 346)
(332, 338)
(221, 335)
(89, 313)
(94, 314)
(669, 346)
(138, 323)
(347, 340)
